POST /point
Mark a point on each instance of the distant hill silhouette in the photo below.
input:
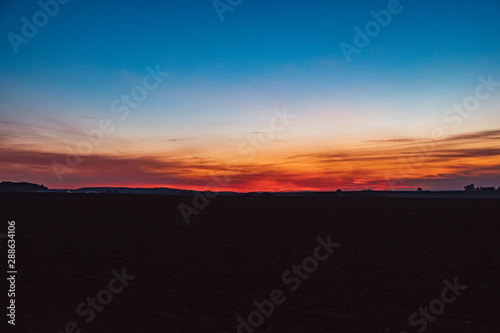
(134, 190)
(21, 187)
(470, 191)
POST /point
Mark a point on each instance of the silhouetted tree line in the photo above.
(21, 187)
(471, 188)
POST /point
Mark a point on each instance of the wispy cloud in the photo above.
(454, 160)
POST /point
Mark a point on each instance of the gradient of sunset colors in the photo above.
(390, 119)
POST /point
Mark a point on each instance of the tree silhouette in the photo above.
(469, 188)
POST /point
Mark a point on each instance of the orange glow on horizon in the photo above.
(383, 165)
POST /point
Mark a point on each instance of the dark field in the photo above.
(395, 254)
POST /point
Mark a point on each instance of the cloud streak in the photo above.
(454, 159)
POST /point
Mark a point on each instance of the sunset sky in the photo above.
(265, 97)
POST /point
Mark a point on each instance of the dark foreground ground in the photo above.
(395, 254)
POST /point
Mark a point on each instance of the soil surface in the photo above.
(394, 257)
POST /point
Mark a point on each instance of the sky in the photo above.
(260, 95)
